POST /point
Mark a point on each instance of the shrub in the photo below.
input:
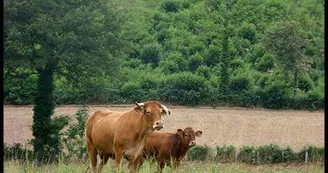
(74, 136)
(19, 91)
(184, 88)
(151, 53)
(269, 154)
(198, 153)
(131, 91)
(171, 6)
(288, 155)
(194, 62)
(225, 153)
(239, 84)
(265, 63)
(305, 83)
(275, 96)
(248, 154)
(314, 154)
(16, 151)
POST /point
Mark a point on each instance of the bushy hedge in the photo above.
(198, 152)
(184, 89)
(16, 152)
(266, 154)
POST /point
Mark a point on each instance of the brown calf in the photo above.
(170, 147)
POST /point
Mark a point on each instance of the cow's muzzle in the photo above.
(192, 143)
(158, 125)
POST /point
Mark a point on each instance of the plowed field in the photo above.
(220, 126)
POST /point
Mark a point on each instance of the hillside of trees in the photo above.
(249, 53)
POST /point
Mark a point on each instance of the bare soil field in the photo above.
(220, 126)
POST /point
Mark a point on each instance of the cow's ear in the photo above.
(180, 131)
(199, 133)
(139, 107)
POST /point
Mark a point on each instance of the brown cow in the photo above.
(122, 134)
(169, 147)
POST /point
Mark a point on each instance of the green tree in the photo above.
(70, 38)
(285, 39)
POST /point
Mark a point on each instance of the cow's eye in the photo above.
(148, 112)
(186, 135)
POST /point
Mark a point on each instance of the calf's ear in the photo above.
(199, 133)
(179, 131)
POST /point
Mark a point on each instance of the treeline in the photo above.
(244, 53)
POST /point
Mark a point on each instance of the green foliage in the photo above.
(74, 136)
(46, 143)
(248, 154)
(194, 62)
(266, 63)
(151, 54)
(275, 96)
(131, 91)
(107, 48)
(305, 83)
(198, 153)
(16, 152)
(171, 6)
(184, 88)
(270, 154)
(225, 154)
(247, 31)
(240, 83)
(287, 42)
(315, 154)
(20, 90)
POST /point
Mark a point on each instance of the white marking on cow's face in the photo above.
(152, 113)
(158, 125)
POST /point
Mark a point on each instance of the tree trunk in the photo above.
(43, 110)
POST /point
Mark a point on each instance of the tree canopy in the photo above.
(124, 51)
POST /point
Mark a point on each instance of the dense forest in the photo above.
(251, 53)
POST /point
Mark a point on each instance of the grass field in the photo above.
(187, 167)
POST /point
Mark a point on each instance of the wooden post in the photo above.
(306, 157)
(236, 156)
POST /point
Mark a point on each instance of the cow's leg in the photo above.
(92, 152)
(139, 160)
(118, 156)
(104, 159)
(161, 165)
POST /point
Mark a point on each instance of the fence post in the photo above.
(306, 156)
(258, 157)
(236, 156)
(83, 157)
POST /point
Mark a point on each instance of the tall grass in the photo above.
(149, 167)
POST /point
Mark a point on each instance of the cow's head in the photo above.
(188, 136)
(152, 112)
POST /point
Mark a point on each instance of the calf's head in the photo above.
(188, 136)
(152, 112)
